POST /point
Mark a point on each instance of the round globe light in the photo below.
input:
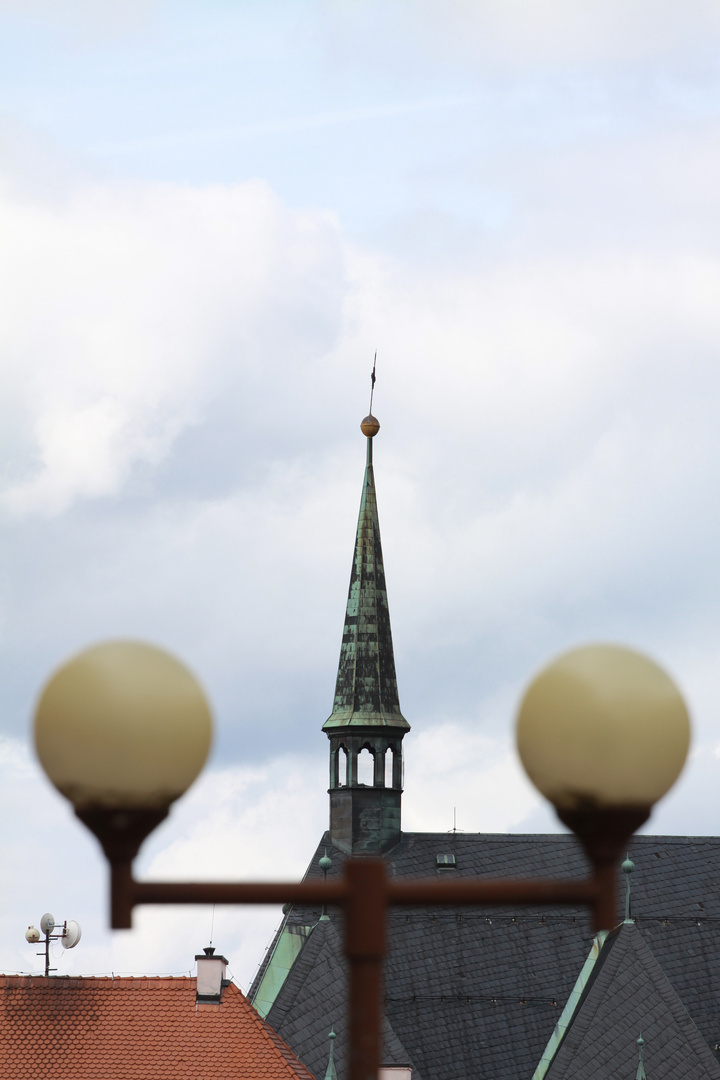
(122, 726)
(603, 727)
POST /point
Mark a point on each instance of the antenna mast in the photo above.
(68, 937)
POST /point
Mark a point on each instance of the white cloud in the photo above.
(85, 21)
(236, 824)
(453, 768)
(128, 306)
(511, 35)
(548, 431)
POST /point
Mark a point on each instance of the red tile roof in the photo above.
(68, 1028)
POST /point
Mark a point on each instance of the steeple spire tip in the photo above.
(370, 425)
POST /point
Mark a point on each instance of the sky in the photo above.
(211, 216)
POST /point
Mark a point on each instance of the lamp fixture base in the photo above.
(120, 831)
(604, 834)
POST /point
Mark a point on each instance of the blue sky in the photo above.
(211, 216)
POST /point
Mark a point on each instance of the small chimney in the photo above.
(395, 1072)
(210, 976)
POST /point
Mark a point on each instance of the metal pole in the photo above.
(128, 893)
(122, 895)
(365, 912)
(364, 893)
(605, 906)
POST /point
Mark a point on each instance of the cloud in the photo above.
(183, 461)
(290, 124)
(508, 36)
(453, 768)
(84, 21)
(151, 296)
(236, 824)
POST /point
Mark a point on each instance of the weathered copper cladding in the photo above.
(365, 819)
(366, 693)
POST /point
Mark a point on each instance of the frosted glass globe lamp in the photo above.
(122, 730)
(603, 733)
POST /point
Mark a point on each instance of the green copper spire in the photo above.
(640, 1073)
(627, 868)
(365, 805)
(366, 693)
(331, 1071)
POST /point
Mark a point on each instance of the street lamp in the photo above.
(123, 729)
(603, 733)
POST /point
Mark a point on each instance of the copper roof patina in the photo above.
(366, 693)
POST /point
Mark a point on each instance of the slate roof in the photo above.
(366, 692)
(134, 1028)
(477, 992)
(628, 996)
(318, 983)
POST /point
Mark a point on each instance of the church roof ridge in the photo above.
(626, 988)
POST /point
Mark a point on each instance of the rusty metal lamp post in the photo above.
(123, 729)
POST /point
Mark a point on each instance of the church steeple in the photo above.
(366, 716)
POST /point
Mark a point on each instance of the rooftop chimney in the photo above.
(210, 976)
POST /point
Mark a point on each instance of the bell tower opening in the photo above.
(388, 768)
(366, 768)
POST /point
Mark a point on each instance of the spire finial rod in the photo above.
(627, 868)
(331, 1072)
(325, 864)
(372, 382)
(370, 426)
(640, 1073)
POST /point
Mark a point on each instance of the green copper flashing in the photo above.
(287, 949)
(572, 1003)
(366, 693)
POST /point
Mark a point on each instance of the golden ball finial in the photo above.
(370, 426)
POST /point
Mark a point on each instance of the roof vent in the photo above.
(445, 862)
(210, 976)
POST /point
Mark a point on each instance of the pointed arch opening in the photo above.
(388, 767)
(397, 768)
(366, 767)
(342, 773)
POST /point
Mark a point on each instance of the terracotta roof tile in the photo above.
(126, 1028)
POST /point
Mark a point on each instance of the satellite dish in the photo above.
(71, 935)
(32, 934)
(47, 923)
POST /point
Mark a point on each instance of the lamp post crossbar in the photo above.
(502, 892)
(365, 893)
(602, 732)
